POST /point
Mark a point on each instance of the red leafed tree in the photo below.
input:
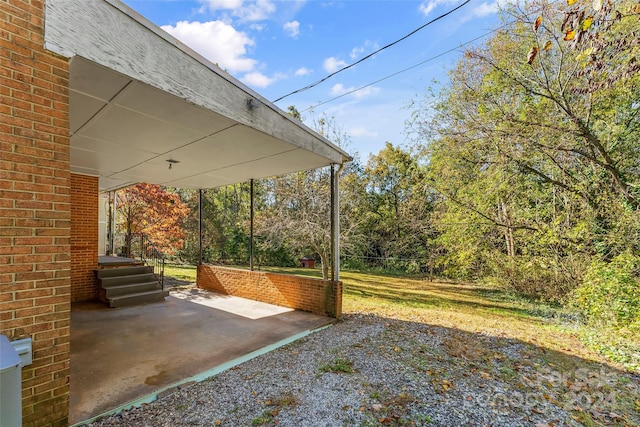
(154, 211)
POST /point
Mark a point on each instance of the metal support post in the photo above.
(251, 207)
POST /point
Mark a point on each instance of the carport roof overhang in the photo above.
(139, 98)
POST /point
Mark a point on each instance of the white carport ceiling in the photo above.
(124, 131)
(139, 98)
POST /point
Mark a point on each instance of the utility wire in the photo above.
(373, 53)
(404, 70)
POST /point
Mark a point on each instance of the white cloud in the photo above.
(483, 9)
(292, 28)
(222, 4)
(257, 79)
(250, 11)
(256, 11)
(217, 41)
(427, 6)
(258, 27)
(333, 64)
(339, 89)
(355, 52)
(303, 71)
(360, 132)
(366, 46)
(486, 8)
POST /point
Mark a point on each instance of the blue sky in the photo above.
(278, 46)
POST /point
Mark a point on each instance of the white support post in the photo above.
(336, 223)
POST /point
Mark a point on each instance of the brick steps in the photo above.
(124, 286)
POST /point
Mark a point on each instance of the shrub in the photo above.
(610, 293)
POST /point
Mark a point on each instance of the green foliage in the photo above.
(343, 366)
(610, 292)
(534, 178)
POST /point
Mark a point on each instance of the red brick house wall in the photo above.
(35, 212)
(317, 296)
(84, 237)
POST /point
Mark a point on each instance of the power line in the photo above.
(373, 53)
(404, 69)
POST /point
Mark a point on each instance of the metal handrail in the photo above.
(140, 246)
(152, 256)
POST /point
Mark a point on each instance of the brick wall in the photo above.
(35, 218)
(301, 293)
(84, 237)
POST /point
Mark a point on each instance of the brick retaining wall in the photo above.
(317, 296)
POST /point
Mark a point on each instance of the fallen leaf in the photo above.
(570, 2)
(547, 45)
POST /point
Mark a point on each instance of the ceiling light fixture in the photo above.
(172, 162)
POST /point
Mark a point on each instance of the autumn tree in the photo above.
(153, 211)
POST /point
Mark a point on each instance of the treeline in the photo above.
(384, 218)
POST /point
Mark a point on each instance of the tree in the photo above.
(154, 211)
(297, 211)
(534, 155)
(397, 221)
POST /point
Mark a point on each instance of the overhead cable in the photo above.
(403, 70)
(364, 58)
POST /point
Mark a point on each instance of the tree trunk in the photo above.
(508, 230)
(324, 260)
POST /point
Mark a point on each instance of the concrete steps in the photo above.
(124, 286)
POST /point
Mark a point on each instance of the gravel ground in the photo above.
(367, 370)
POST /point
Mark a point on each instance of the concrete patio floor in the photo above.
(124, 355)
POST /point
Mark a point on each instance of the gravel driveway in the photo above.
(367, 370)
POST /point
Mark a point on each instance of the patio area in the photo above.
(126, 356)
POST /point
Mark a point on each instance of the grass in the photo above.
(478, 326)
(181, 272)
(338, 366)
